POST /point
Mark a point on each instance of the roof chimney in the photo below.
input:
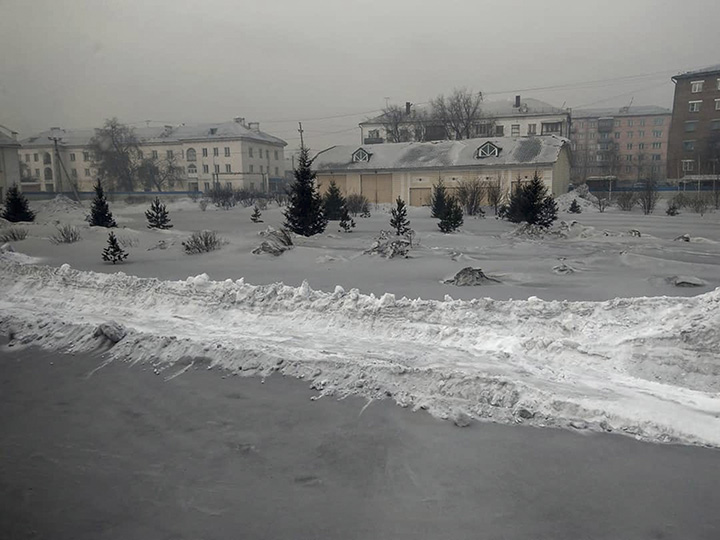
(254, 126)
(239, 120)
(407, 107)
(14, 135)
(517, 102)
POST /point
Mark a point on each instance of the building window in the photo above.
(642, 122)
(592, 134)
(629, 134)
(593, 124)
(47, 160)
(718, 84)
(35, 157)
(641, 146)
(169, 154)
(250, 151)
(228, 185)
(360, 155)
(216, 151)
(228, 167)
(217, 169)
(87, 172)
(27, 158)
(618, 123)
(207, 186)
(154, 154)
(688, 165)
(276, 156)
(604, 135)
(499, 131)
(37, 174)
(277, 172)
(628, 168)
(48, 173)
(657, 133)
(656, 157)
(696, 86)
(691, 126)
(252, 169)
(213, 131)
(205, 153)
(72, 157)
(630, 123)
(694, 106)
(206, 169)
(658, 121)
(629, 146)
(488, 150)
(628, 157)
(260, 152)
(549, 128)
(192, 169)
(515, 130)
(657, 145)
(227, 151)
(641, 134)
(717, 104)
(532, 129)
(73, 173)
(191, 154)
(715, 125)
(688, 146)
(86, 156)
(617, 134)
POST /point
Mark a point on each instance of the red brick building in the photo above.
(694, 145)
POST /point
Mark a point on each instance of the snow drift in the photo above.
(643, 366)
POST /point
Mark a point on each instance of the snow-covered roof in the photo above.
(7, 141)
(442, 154)
(495, 109)
(704, 71)
(635, 110)
(159, 134)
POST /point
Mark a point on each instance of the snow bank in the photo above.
(643, 366)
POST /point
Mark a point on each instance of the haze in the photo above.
(73, 64)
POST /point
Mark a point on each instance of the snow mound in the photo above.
(390, 245)
(686, 281)
(647, 367)
(59, 205)
(277, 242)
(470, 276)
(582, 195)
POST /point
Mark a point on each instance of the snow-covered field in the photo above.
(598, 336)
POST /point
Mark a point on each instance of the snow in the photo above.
(605, 340)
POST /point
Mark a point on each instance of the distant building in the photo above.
(694, 145)
(629, 143)
(383, 172)
(518, 118)
(9, 163)
(235, 153)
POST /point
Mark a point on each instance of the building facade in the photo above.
(694, 145)
(235, 154)
(383, 172)
(9, 163)
(519, 118)
(630, 143)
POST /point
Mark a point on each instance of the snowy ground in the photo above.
(643, 366)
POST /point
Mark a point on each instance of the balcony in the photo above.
(373, 140)
(605, 125)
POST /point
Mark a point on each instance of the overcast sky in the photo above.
(73, 63)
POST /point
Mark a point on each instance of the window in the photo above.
(192, 169)
(658, 121)
(47, 160)
(629, 146)
(656, 157)
(27, 158)
(191, 154)
(604, 135)
(592, 134)
(276, 156)
(360, 155)
(630, 123)
(618, 123)
(617, 134)
(216, 151)
(87, 172)
(250, 151)
(48, 173)
(552, 127)
(688, 146)
(72, 157)
(488, 150)
(206, 169)
(715, 125)
(688, 165)
(86, 156)
(718, 84)
(228, 167)
(694, 106)
(691, 126)
(657, 145)
(696, 87)
(641, 133)
(642, 122)
(252, 169)
(217, 169)
(73, 173)
(228, 185)
(37, 174)
(260, 153)
(154, 154)
(629, 134)
(515, 130)
(35, 157)
(205, 153)
(227, 151)
(628, 157)
(641, 146)
(717, 104)
(207, 186)
(213, 131)
(262, 169)
(593, 124)
(277, 172)
(532, 129)
(499, 131)
(657, 133)
(628, 168)
(169, 154)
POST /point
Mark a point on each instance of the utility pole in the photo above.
(58, 176)
(300, 129)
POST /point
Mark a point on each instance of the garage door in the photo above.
(377, 187)
(324, 183)
(420, 196)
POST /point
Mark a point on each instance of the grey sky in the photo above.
(74, 63)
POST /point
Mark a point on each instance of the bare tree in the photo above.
(116, 154)
(601, 204)
(699, 202)
(495, 196)
(159, 173)
(470, 194)
(459, 113)
(648, 196)
(394, 120)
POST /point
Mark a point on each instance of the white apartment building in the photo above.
(235, 153)
(9, 165)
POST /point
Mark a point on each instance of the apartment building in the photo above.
(629, 143)
(235, 154)
(694, 145)
(521, 117)
(9, 163)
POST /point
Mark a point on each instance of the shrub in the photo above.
(626, 201)
(66, 234)
(531, 203)
(203, 204)
(438, 200)
(245, 197)
(399, 221)
(358, 205)
(222, 197)
(113, 252)
(346, 222)
(202, 242)
(495, 195)
(304, 214)
(17, 207)
(333, 202)
(575, 207)
(470, 194)
(158, 216)
(699, 203)
(256, 215)
(13, 234)
(100, 215)
(128, 241)
(673, 208)
(602, 204)
(648, 197)
(452, 216)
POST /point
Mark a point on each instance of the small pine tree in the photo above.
(531, 203)
(399, 220)
(452, 217)
(575, 207)
(333, 202)
(256, 215)
(157, 216)
(100, 215)
(17, 207)
(113, 252)
(346, 222)
(438, 201)
(304, 214)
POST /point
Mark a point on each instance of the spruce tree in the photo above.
(17, 207)
(256, 215)
(438, 200)
(399, 220)
(574, 207)
(452, 217)
(531, 203)
(157, 216)
(100, 215)
(333, 202)
(304, 214)
(113, 252)
(346, 222)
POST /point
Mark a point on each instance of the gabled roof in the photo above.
(443, 154)
(8, 142)
(710, 70)
(634, 110)
(159, 135)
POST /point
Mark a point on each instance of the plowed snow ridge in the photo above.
(644, 366)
